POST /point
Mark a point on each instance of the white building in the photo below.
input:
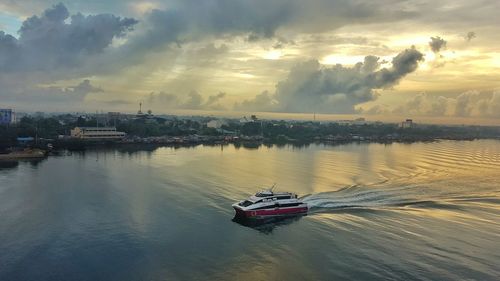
(357, 121)
(244, 120)
(97, 133)
(408, 123)
(217, 124)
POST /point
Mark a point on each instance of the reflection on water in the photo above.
(266, 225)
(423, 211)
(8, 164)
(11, 164)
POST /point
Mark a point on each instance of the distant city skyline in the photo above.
(427, 60)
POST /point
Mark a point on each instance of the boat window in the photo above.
(290, 205)
(245, 203)
(284, 197)
(278, 205)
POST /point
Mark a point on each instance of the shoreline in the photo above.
(145, 144)
(249, 142)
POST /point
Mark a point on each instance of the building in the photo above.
(7, 116)
(357, 121)
(217, 124)
(97, 133)
(245, 120)
(408, 123)
(114, 115)
(140, 114)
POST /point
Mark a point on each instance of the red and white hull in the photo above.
(271, 212)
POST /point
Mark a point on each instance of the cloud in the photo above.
(402, 64)
(210, 50)
(81, 90)
(54, 40)
(262, 102)
(9, 51)
(70, 96)
(312, 87)
(464, 103)
(143, 7)
(439, 107)
(52, 47)
(187, 21)
(212, 100)
(193, 100)
(477, 104)
(76, 93)
(376, 109)
(470, 35)
(437, 43)
(423, 104)
(166, 99)
(200, 44)
(467, 104)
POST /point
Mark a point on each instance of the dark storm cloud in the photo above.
(437, 43)
(186, 21)
(191, 20)
(54, 40)
(311, 87)
(57, 41)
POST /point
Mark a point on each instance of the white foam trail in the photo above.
(359, 197)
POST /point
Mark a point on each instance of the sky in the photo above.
(420, 59)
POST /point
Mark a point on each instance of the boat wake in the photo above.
(356, 197)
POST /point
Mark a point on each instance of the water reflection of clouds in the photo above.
(158, 211)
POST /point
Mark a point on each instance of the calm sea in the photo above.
(423, 211)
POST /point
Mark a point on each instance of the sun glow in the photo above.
(341, 59)
(273, 55)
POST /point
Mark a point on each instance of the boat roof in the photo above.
(267, 193)
(264, 193)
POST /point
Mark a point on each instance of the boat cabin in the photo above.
(267, 196)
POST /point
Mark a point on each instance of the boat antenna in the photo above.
(272, 187)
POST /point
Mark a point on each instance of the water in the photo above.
(424, 211)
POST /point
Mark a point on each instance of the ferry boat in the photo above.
(267, 203)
